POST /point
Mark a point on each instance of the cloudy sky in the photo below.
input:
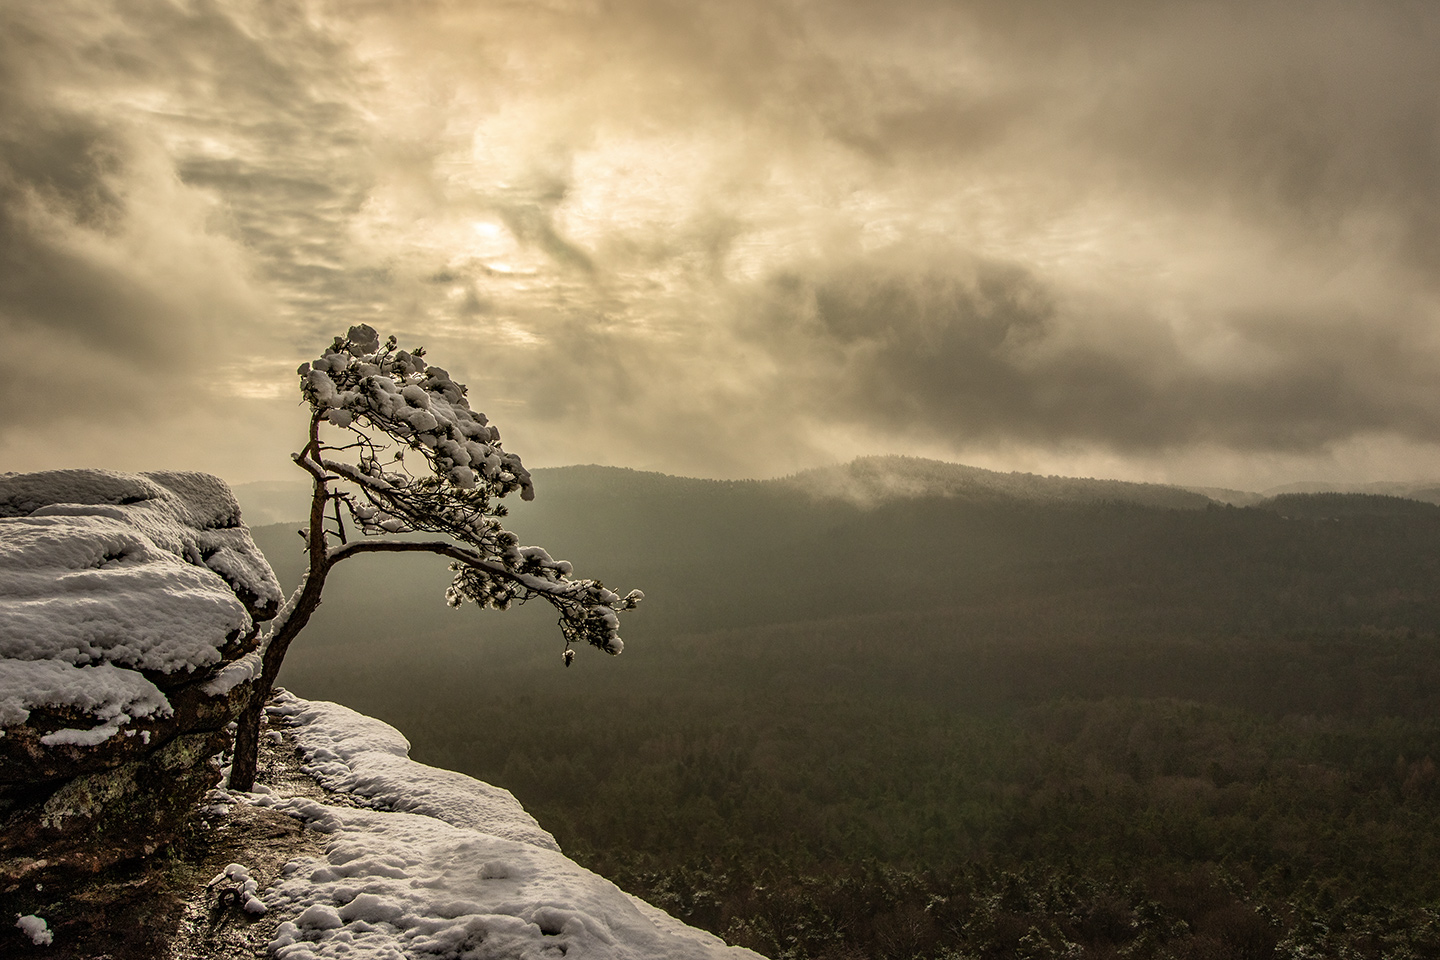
(1196, 242)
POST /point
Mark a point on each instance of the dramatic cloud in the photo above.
(1185, 241)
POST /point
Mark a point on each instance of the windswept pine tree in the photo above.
(393, 448)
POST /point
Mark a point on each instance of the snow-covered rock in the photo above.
(439, 865)
(121, 597)
(153, 572)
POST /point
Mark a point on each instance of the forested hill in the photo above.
(1001, 725)
(1058, 590)
(723, 553)
(714, 554)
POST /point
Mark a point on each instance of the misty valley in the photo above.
(904, 709)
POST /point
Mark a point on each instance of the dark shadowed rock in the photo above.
(125, 603)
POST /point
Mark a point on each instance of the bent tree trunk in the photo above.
(293, 617)
(246, 758)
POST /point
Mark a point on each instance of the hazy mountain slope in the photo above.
(866, 482)
(718, 554)
(1225, 495)
(715, 555)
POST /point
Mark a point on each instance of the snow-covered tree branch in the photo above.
(394, 448)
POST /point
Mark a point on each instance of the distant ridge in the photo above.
(874, 480)
(865, 482)
(1235, 498)
(1425, 490)
(868, 482)
(1330, 506)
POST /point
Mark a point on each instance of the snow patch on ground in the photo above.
(36, 929)
(462, 871)
(236, 883)
(349, 752)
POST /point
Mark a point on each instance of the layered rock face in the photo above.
(122, 598)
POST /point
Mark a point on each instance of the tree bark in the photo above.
(246, 757)
(245, 762)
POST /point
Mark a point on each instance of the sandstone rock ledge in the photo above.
(122, 597)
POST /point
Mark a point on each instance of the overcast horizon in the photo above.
(1191, 242)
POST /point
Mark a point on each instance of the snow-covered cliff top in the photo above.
(112, 583)
(119, 594)
(439, 865)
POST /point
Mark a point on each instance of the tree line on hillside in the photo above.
(795, 818)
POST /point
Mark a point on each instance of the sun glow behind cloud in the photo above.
(1190, 242)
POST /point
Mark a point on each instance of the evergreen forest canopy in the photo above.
(907, 710)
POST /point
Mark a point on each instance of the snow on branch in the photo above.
(413, 457)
